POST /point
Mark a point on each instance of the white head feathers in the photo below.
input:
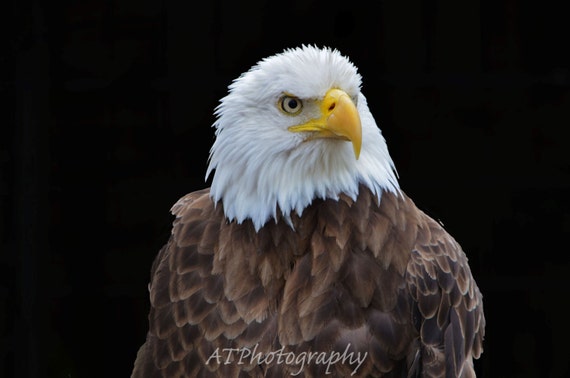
(260, 166)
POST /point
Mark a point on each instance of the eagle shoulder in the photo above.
(448, 311)
(208, 298)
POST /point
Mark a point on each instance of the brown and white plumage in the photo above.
(305, 243)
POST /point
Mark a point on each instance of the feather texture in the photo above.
(335, 284)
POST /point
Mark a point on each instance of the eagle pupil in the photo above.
(292, 103)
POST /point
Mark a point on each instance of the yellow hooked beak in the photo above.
(339, 120)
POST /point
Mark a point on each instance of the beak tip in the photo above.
(356, 152)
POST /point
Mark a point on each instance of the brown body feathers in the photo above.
(377, 280)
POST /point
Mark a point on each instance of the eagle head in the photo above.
(293, 128)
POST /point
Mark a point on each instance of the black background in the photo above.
(106, 114)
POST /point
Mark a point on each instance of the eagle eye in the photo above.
(290, 104)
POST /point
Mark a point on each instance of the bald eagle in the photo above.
(304, 257)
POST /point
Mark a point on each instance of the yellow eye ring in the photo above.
(290, 104)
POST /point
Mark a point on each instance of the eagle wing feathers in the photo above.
(449, 304)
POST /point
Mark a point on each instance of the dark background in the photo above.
(106, 113)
